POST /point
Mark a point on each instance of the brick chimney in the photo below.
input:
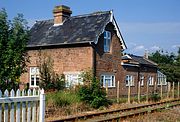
(146, 55)
(61, 13)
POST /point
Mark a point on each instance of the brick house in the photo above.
(138, 68)
(77, 43)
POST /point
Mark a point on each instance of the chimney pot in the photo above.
(61, 13)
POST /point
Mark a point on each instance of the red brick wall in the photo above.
(109, 63)
(65, 59)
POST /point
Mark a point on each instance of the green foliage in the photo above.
(13, 57)
(62, 98)
(154, 97)
(92, 93)
(49, 80)
(168, 63)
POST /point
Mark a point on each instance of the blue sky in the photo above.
(145, 24)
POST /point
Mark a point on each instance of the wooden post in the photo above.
(106, 89)
(139, 91)
(178, 89)
(129, 93)
(118, 92)
(173, 90)
(42, 107)
(147, 92)
(161, 91)
(169, 89)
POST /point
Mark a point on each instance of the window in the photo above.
(72, 79)
(107, 40)
(129, 80)
(151, 80)
(161, 79)
(142, 80)
(34, 76)
(108, 80)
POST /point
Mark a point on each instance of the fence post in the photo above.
(173, 90)
(169, 89)
(118, 92)
(42, 106)
(161, 91)
(106, 89)
(147, 96)
(178, 89)
(129, 93)
(139, 91)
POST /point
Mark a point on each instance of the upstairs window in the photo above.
(34, 76)
(129, 80)
(108, 80)
(107, 40)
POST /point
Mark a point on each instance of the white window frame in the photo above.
(161, 79)
(129, 79)
(73, 79)
(107, 41)
(35, 75)
(151, 81)
(110, 78)
(142, 80)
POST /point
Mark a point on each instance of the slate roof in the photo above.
(76, 29)
(141, 60)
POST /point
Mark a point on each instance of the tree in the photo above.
(13, 57)
(168, 63)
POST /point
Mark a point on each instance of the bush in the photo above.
(93, 95)
(154, 97)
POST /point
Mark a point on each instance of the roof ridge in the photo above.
(150, 61)
(91, 14)
(82, 15)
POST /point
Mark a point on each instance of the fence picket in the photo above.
(8, 101)
(12, 107)
(18, 107)
(6, 94)
(29, 108)
(23, 108)
(0, 107)
(34, 107)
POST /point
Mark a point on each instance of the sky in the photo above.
(145, 24)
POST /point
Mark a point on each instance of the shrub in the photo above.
(92, 93)
(154, 97)
(49, 80)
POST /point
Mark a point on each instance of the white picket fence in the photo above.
(22, 106)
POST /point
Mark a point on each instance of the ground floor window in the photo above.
(161, 79)
(108, 80)
(72, 79)
(34, 76)
(151, 80)
(142, 80)
(129, 80)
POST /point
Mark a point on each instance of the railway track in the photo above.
(121, 114)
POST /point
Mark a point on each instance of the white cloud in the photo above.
(139, 47)
(155, 47)
(176, 46)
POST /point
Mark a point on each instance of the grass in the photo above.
(62, 98)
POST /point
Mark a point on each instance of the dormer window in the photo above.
(107, 40)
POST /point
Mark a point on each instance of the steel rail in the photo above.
(104, 113)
